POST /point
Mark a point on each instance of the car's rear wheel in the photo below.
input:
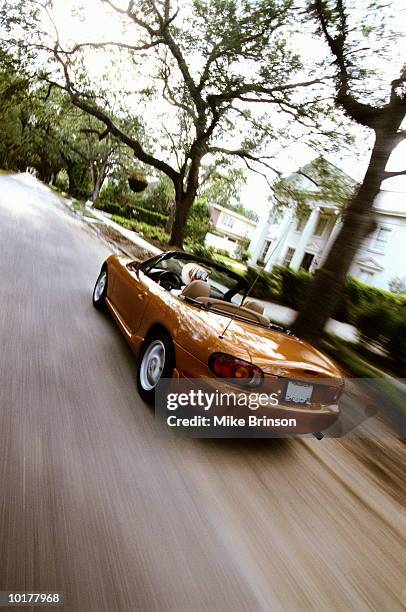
(155, 364)
(100, 290)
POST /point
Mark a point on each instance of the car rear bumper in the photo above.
(238, 402)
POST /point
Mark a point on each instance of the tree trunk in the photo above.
(101, 175)
(183, 203)
(329, 282)
(184, 198)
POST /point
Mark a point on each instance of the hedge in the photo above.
(264, 285)
(149, 216)
(149, 232)
(143, 215)
(290, 287)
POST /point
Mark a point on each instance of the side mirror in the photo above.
(134, 266)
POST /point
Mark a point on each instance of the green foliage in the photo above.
(357, 296)
(396, 344)
(223, 252)
(149, 216)
(317, 180)
(153, 233)
(264, 285)
(223, 187)
(384, 325)
(132, 212)
(375, 322)
(242, 252)
(198, 223)
(111, 207)
(160, 197)
(201, 250)
(290, 287)
(293, 285)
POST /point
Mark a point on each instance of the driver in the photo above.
(191, 272)
(199, 274)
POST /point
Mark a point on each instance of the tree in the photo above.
(355, 95)
(211, 62)
(47, 133)
(222, 186)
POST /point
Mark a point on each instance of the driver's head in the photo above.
(199, 274)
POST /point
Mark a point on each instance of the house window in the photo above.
(265, 250)
(288, 257)
(301, 222)
(321, 225)
(228, 221)
(381, 239)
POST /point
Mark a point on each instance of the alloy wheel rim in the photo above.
(152, 365)
(100, 286)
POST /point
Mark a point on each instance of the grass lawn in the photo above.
(7, 172)
(236, 266)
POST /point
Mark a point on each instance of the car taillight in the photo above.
(242, 372)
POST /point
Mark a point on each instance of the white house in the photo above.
(229, 229)
(303, 242)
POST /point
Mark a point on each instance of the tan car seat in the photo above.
(196, 289)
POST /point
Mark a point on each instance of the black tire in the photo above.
(154, 340)
(99, 298)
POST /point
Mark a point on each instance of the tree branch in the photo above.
(364, 114)
(260, 89)
(394, 173)
(110, 43)
(245, 155)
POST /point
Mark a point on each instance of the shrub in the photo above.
(149, 216)
(375, 323)
(265, 287)
(358, 296)
(198, 223)
(223, 252)
(147, 231)
(201, 250)
(110, 207)
(133, 212)
(396, 345)
(293, 285)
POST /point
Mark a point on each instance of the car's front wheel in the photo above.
(100, 290)
(155, 364)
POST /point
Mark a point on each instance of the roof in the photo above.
(231, 212)
(312, 170)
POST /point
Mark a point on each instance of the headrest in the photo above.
(251, 305)
(195, 289)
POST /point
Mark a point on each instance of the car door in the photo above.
(130, 294)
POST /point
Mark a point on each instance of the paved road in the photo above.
(95, 501)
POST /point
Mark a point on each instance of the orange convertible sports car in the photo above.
(183, 318)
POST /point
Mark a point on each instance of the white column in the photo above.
(307, 233)
(258, 239)
(333, 235)
(279, 244)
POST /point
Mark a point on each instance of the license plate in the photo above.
(298, 393)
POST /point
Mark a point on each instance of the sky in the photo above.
(87, 21)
